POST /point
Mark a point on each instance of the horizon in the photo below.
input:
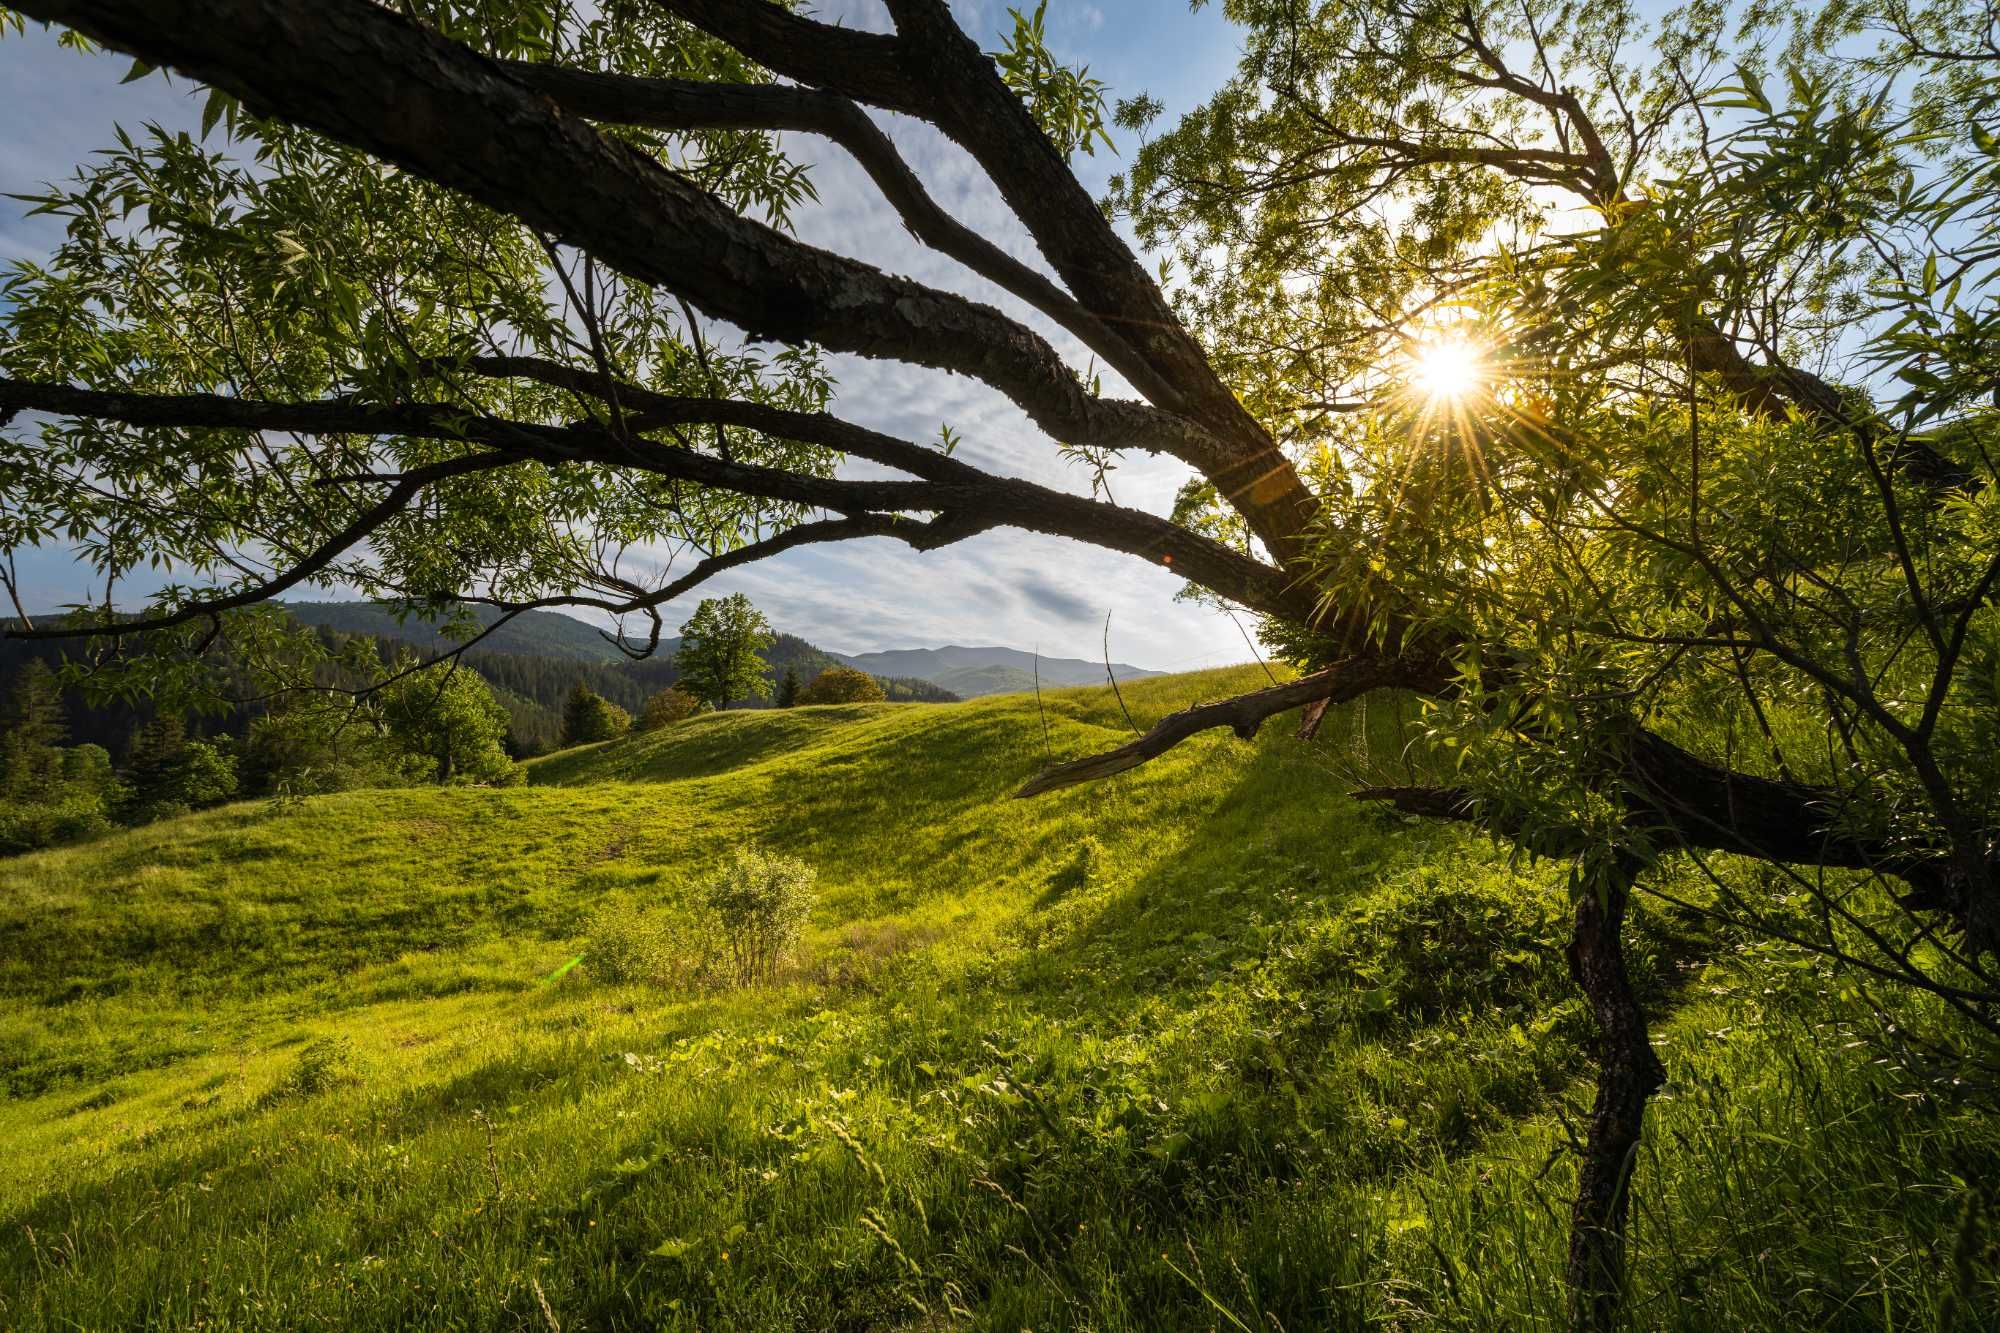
(826, 648)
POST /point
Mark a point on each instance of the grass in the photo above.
(1205, 1046)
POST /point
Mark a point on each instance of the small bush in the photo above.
(72, 817)
(629, 945)
(667, 707)
(842, 685)
(763, 901)
(322, 1066)
(1083, 868)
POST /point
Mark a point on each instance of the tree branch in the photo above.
(957, 488)
(373, 79)
(947, 80)
(1244, 714)
(408, 486)
(682, 104)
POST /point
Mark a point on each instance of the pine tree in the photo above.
(34, 709)
(34, 727)
(153, 747)
(788, 689)
(576, 713)
(588, 716)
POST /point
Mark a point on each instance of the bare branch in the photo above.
(1244, 714)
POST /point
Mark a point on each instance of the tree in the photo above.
(49, 795)
(842, 685)
(788, 689)
(589, 717)
(1632, 419)
(667, 707)
(168, 775)
(448, 716)
(718, 657)
(31, 731)
(312, 746)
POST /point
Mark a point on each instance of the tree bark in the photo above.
(1628, 1073)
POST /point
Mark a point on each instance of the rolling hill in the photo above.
(1206, 1046)
(972, 682)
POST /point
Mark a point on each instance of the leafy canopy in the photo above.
(719, 658)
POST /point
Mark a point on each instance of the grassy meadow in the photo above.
(1206, 1046)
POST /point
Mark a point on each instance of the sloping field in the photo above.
(1205, 1046)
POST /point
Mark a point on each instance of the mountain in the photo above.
(530, 634)
(965, 671)
(1002, 670)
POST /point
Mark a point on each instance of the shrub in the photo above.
(762, 901)
(322, 1066)
(669, 706)
(629, 945)
(1083, 868)
(71, 817)
(842, 685)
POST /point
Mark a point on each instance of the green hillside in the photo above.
(974, 682)
(1207, 1046)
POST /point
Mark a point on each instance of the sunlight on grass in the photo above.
(1201, 1036)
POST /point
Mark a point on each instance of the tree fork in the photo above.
(1628, 1074)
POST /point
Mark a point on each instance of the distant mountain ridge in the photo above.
(974, 671)
(967, 671)
(530, 634)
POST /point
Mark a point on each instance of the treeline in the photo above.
(433, 725)
(534, 690)
(531, 689)
(341, 710)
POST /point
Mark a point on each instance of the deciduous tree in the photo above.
(719, 658)
(842, 685)
(1630, 416)
(446, 714)
(667, 707)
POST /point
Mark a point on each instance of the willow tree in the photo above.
(1627, 416)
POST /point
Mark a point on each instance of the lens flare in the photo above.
(1447, 369)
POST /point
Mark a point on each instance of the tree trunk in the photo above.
(1627, 1074)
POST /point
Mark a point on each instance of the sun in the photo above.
(1446, 369)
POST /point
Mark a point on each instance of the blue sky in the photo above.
(1008, 588)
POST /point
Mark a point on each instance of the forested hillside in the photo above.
(532, 663)
(528, 634)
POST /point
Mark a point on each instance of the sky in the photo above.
(1010, 588)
